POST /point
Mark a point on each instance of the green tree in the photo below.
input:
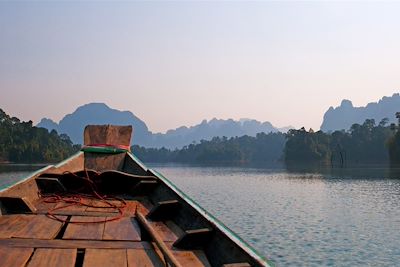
(22, 142)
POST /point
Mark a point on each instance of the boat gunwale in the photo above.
(26, 178)
(45, 168)
(208, 216)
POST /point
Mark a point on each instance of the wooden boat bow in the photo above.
(104, 207)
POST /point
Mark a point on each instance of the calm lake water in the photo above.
(344, 217)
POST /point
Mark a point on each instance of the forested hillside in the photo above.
(22, 142)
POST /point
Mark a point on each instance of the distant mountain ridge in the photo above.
(345, 115)
(96, 113)
(99, 113)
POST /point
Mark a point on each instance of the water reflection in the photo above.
(355, 171)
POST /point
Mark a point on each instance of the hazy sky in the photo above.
(176, 63)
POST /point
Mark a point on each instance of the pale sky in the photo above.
(177, 63)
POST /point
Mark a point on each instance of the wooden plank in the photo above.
(165, 232)
(84, 213)
(160, 244)
(145, 206)
(90, 228)
(67, 207)
(195, 258)
(59, 243)
(105, 257)
(10, 224)
(107, 134)
(72, 165)
(123, 229)
(143, 258)
(101, 206)
(61, 207)
(103, 162)
(130, 208)
(14, 257)
(40, 226)
(53, 257)
(43, 207)
(27, 188)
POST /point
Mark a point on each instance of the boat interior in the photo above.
(103, 207)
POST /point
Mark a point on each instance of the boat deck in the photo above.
(85, 236)
(103, 207)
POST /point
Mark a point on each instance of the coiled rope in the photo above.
(77, 199)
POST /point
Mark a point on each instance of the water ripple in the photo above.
(301, 219)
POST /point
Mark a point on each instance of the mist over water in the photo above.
(314, 217)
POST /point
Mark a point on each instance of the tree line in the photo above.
(368, 142)
(363, 143)
(245, 149)
(21, 142)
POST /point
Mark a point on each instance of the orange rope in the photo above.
(76, 199)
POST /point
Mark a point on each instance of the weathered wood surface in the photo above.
(143, 258)
(21, 233)
(84, 213)
(60, 243)
(14, 257)
(105, 257)
(195, 258)
(65, 207)
(29, 226)
(53, 257)
(39, 226)
(81, 210)
(145, 206)
(165, 232)
(103, 162)
(87, 230)
(108, 134)
(73, 165)
(123, 229)
(131, 207)
(130, 166)
(101, 206)
(27, 189)
(160, 244)
(9, 224)
(42, 207)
